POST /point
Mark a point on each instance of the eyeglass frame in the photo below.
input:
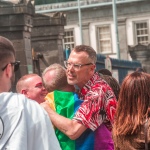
(16, 65)
(77, 65)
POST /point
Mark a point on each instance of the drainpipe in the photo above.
(116, 28)
(80, 21)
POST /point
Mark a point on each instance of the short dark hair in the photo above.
(113, 83)
(89, 50)
(105, 72)
(6, 49)
(140, 69)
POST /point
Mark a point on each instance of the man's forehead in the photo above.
(78, 57)
(34, 83)
(79, 54)
(34, 79)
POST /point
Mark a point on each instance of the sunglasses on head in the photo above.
(15, 64)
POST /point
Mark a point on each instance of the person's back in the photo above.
(132, 122)
(113, 83)
(20, 128)
(61, 98)
(104, 71)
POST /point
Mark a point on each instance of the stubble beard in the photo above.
(12, 81)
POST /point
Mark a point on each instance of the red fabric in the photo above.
(96, 93)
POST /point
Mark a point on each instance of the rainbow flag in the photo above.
(66, 104)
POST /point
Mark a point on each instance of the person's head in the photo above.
(32, 87)
(140, 69)
(81, 65)
(7, 64)
(54, 78)
(113, 83)
(105, 72)
(133, 103)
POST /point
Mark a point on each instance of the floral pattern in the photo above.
(99, 104)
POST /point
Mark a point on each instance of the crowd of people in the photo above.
(72, 107)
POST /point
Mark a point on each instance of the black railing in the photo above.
(41, 2)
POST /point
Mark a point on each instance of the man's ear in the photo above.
(93, 67)
(24, 92)
(9, 72)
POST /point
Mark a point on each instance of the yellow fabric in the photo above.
(50, 98)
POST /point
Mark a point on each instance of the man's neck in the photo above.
(68, 88)
(1, 91)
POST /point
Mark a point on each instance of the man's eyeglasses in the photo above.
(75, 66)
(15, 64)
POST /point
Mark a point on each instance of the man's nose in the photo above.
(43, 88)
(70, 68)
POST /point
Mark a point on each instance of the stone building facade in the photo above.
(98, 26)
(16, 25)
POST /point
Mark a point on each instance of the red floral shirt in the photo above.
(98, 99)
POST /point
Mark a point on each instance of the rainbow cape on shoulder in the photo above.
(65, 104)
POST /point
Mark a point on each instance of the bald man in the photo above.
(31, 86)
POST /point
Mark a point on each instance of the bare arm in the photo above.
(71, 128)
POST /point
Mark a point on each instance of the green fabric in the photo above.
(64, 103)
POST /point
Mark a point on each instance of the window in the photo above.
(69, 39)
(104, 39)
(142, 35)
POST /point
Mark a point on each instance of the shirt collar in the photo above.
(89, 84)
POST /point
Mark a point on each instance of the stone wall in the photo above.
(16, 25)
(141, 53)
(29, 31)
(47, 35)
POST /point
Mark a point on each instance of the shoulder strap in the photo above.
(145, 133)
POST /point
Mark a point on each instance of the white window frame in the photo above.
(135, 31)
(99, 50)
(64, 44)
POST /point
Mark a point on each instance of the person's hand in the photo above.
(46, 106)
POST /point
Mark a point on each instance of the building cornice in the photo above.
(73, 5)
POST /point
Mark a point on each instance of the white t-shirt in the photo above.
(25, 125)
